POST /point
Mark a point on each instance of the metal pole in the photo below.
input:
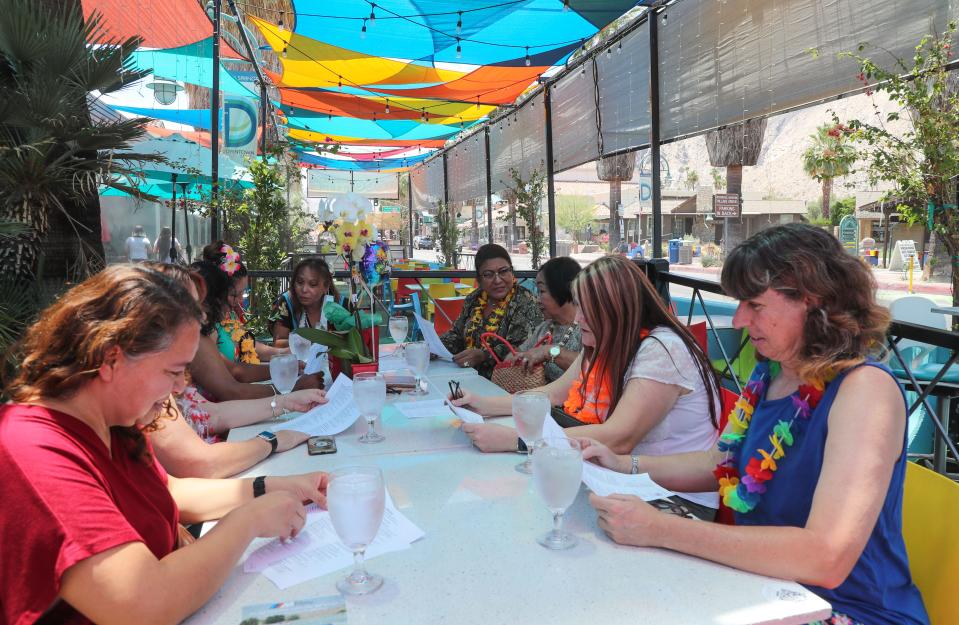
(186, 224)
(172, 221)
(264, 99)
(262, 119)
(654, 133)
(489, 190)
(446, 186)
(409, 188)
(550, 189)
(215, 127)
(351, 181)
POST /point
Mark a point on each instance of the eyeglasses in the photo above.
(501, 274)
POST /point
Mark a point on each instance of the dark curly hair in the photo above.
(217, 293)
(214, 253)
(844, 323)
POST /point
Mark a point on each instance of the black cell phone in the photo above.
(319, 445)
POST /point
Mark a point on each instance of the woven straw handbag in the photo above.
(512, 376)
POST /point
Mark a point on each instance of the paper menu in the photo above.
(465, 415)
(604, 482)
(338, 413)
(422, 409)
(318, 551)
(432, 338)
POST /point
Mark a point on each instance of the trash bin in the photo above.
(674, 246)
(686, 254)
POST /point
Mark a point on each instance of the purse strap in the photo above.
(546, 340)
(484, 341)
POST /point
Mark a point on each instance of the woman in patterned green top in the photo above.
(499, 305)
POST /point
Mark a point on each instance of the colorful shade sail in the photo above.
(192, 63)
(385, 165)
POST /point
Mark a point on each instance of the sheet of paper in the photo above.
(337, 414)
(316, 360)
(551, 429)
(604, 482)
(423, 409)
(324, 553)
(432, 338)
(465, 415)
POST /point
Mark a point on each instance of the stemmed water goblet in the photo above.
(557, 472)
(356, 497)
(530, 409)
(399, 327)
(369, 393)
(418, 359)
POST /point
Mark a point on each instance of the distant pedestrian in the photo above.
(137, 246)
(165, 241)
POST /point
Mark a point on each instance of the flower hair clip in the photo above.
(231, 260)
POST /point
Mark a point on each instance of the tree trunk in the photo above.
(73, 251)
(826, 193)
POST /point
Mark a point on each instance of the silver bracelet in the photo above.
(634, 466)
(273, 404)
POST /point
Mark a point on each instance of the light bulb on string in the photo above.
(284, 52)
(372, 13)
(619, 48)
(527, 61)
(423, 116)
(459, 49)
(609, 52)
(565, 6)
(279, 24)
(363, 30)
(387, 106)
(339, 83)
(459, 22)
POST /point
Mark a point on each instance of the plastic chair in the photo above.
(437, 290)
(452, 306)
(930, 507)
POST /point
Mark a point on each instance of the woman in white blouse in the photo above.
(642, 385)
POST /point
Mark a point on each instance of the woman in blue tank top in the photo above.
(813, 459)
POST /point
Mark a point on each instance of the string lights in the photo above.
(279, 24)
(459, 22)
(372, 13)
(459, 49)
(363, 30)
(387, 106)
(527, 61)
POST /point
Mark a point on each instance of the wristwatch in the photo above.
(269, 437)
(553, 353)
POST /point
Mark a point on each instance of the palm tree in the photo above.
(53, 155)
(615, 169)
(828, 157)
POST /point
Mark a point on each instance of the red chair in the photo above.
(698, 330)
(452, 306)
(728, 399)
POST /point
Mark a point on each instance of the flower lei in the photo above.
(492, 322)
(231, 260)
(244, 340)
(742, 494)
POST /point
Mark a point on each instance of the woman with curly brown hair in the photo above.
(813, 459)
(90, 518)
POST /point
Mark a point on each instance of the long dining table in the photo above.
(479, 562)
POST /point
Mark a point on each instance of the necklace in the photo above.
(742, 494)
(492, 322)
(566, 335)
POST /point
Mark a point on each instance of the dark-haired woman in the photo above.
(498, 305)
(302, 305)
(813, 459)
(642, 384)
(90, 522)
(554, 282)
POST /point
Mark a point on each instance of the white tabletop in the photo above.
(479, 561)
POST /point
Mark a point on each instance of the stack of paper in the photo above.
(604, 482)
(317, 550)
(338, 413)
(432, 338)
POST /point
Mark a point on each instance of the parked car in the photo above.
(424, 243)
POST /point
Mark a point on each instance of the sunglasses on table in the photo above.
(503, 273)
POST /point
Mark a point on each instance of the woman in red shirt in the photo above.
(89, 525)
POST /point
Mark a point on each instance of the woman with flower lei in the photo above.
(812, 461)
(499, 305)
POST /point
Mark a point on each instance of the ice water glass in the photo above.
(399, 326)
(283, 372)
(530, 409)
(300, 347)
(369, 393)
(355, 497)
(557, 472)
(418, 359)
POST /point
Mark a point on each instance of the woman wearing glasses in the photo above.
(499, 305)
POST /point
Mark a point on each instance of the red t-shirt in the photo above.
(67, 498)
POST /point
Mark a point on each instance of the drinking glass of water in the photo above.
(557, 472)
(399, 326)
(300, 346)
(283, 372)
(355, 497)
(418, 359)
(369, 393)
(529, 412)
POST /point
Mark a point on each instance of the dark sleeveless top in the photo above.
(879, 590)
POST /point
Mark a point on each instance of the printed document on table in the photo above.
(432, 338)
(338, 413)
(423, 409)
(604, 482)
(465, 415)
(318, 550)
